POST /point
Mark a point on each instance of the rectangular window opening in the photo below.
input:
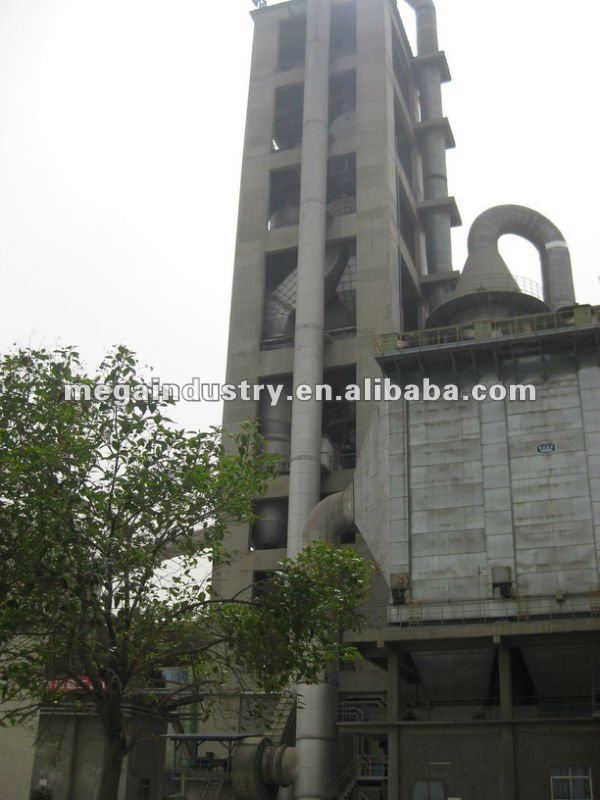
(269, 531)
(287, 124)
(260, 583)
(340, 307)
(341, 185)
(404, 147)
(411, 303)
(429, 790)
(339, 420)
(342, 104)
(343, 29)
(292, 43)
(407, 223)
(401, 69)
(279, 303)
(284, 197)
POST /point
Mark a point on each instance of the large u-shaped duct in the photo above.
(554, 253)
(316, 726)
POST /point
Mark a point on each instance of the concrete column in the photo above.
(305, 462)
(506, 699)
(393, 715)
(509, 774)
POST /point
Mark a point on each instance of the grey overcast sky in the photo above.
(121, 129)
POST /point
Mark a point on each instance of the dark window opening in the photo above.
(401, 69)
(269, 531)
(284, 198)
(279, 304)
(429, 790)
(340, 290)
(342, 101)
(343, 29)
(292, 43)
(260, 583)
(404, 146)
(287, 125)
(341, 185)
(410, 300)
(339, 419)
(407, 224)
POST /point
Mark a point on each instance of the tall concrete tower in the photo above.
(344, 233)
(481, 516)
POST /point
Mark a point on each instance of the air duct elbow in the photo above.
(554, 253)
(331, 518)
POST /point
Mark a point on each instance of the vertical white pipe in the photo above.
(305, 459)
(316, 722)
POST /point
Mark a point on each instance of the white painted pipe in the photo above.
(316, 727)
(305, 458)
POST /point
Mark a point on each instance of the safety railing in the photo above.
(576, 317)
(371, 767)
(579, 707)
(519, 608)
(368, 709)
(529, 286)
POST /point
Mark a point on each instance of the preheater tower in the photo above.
(482, 519)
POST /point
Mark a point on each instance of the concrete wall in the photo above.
(68, 757)
(17, 747)
(467, 758)
(469, 491)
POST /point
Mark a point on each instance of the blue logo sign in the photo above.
(546, 448)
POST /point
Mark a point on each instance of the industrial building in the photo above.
(480, 669)
(480, 672)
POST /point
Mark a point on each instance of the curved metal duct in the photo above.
(531, 225)
(330, 518)
(280, 304)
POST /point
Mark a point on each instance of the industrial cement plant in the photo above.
(480, 669)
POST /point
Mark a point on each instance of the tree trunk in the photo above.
(115, 750)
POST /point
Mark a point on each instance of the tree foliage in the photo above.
(95, 498)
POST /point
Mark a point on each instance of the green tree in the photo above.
(95, 497)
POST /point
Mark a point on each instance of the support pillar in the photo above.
(393, 717)
(509, 774)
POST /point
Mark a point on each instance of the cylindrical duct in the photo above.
(276, 425)
(316, 734)
(305, 455)
(314, 752)
(557, 274)
(268, 532)
(438, 221)
(427, 38)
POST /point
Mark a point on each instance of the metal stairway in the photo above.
(360, 773)
(212, 788)
(345, 782)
